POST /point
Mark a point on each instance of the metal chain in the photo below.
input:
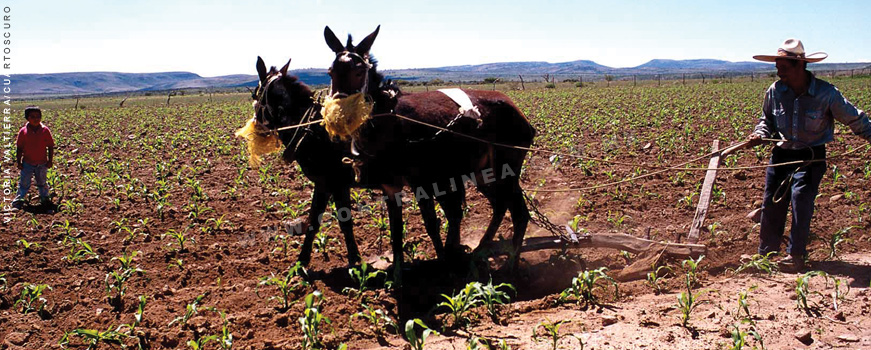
(539, 219)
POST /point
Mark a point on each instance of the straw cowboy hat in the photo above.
(792, 49)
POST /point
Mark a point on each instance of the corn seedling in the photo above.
(31, 298)
(312, 321)
(64, 339)
(190, 310)
(94, 337)
(743, 305)
(28, 247)
(79, 250)
(688, 301)
(762, 263)
(380, 223)
(377, 318)
(33, 224)
(116, 281)
(739, 338)
(286, 285)
(627, 256)
(283, 242)
(692, 267)
(655, 276)
(491, 296)
(585, 285)
(838, 294)
(802, 289)
(145, 224)
(414, 341)
(126, 260)
(836, 239)
(322, 241)
(216, 224)
(178, 263)
(412, 249)
(179, 238)
(551, 331)
(225, 339)
(616, 219)
(140, 312)
(200, 343)
(66, 228)
(461, 303)
(70, 207)
(362, 276)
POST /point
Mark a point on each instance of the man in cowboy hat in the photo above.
(800, 110)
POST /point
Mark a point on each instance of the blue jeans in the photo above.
(800, 188)
(28, 171)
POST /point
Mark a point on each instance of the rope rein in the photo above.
(660, 169)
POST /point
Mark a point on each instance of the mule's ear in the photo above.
(332, 41)
(261, 69)
(366, 44)
(283, 70)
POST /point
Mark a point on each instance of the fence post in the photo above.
(684, 79)
(703, 77)
(634, 80)
(522, 86)
(581, 79)
(658, 80)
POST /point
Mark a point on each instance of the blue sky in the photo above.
(213, 38)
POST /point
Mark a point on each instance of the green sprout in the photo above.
(363, 276)
(586, 284)
(286, 284)
(414, 341)
(31, 298)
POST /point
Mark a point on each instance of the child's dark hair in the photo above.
(31, 108)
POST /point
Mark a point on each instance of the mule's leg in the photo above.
(346, 223)
(499, 205)
(394, 214)
(318, 205)
(432, 224)
(519, 217)
(452, 204)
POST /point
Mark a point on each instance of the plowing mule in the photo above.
(423, 156)
(397, 153)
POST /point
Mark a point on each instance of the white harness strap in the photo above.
(467, 109)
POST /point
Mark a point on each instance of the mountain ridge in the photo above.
(89, 83)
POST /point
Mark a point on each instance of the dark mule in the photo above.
(282, 100)
(433, 162)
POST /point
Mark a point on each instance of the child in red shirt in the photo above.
(34, 156)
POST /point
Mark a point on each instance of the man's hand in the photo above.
(753, 140)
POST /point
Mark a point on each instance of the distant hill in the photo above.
(660, 65)
(529, 67)
(88, 83)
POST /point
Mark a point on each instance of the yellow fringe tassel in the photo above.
(343, 116)
(261, 141)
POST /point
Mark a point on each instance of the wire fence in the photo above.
(703, 77)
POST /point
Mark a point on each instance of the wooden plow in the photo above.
(648, 252)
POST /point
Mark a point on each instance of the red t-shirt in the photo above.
(34, 141)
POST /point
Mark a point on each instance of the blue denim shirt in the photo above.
(808, 120)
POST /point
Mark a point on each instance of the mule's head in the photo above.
(352, 71)
(280, 99)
